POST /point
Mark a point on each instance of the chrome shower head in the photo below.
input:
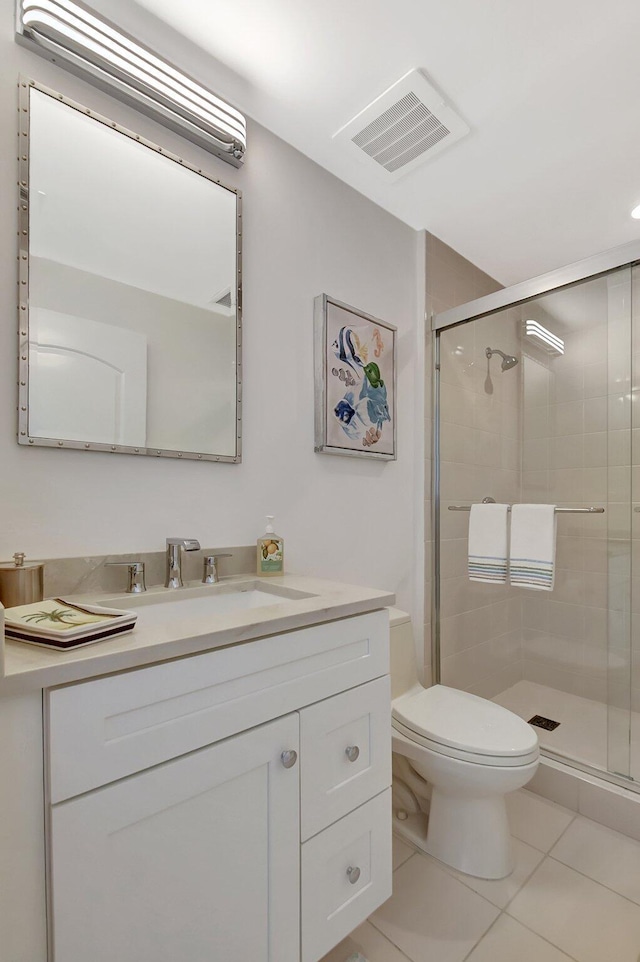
(508, 360)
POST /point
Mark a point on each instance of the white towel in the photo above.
(488, 543)
(533, 546)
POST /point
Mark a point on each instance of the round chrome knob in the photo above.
(353, 874)
(289, 758)
(352, 752)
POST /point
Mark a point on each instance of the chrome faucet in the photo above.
(174, 559)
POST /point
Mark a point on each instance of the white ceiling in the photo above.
(550, 90)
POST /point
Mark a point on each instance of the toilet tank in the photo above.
(404, 674)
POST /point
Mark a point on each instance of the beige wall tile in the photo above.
(570, 552)
(535, 611)
(595, 380)
(535, 454)
(469, 628)
(489, 687)
(600, 449)
(456, 406)
(453, 557)
(618, 412)
(536, 422)
(567, 418)
(566, 484)
(568, 386)
(595, 485)
(535, 487)
(616, 481)
(566, 452)
(459, 443)
(595, 414)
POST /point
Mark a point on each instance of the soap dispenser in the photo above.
(270, 555)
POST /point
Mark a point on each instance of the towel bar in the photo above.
(467, 507)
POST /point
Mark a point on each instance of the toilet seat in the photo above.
(464, 726)
(492, 761)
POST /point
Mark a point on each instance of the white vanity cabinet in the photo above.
(232, 805)
(194, 859)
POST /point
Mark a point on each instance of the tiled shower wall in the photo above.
(576, 452)
(635, 516)
(565, 420)
(480, 456)
(480, 624)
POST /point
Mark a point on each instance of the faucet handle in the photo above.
(136, 583)
(210, 571)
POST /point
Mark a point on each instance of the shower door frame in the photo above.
(628, 255)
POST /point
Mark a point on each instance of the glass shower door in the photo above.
(552, 421)
(634, 565)
(620, 521)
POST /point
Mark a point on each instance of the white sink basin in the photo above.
(165, 605)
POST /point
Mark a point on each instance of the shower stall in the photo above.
(536, 393)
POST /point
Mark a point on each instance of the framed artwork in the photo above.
(355, 382)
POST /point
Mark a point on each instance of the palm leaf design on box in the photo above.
(58, 616)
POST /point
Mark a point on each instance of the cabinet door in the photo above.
(196, 859)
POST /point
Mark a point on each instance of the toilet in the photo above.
(465, 752)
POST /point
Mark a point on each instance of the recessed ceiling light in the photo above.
(636, 212)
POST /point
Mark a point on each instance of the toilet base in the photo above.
(474, 850)
(412, 829)
(468, 827)
(471, 835)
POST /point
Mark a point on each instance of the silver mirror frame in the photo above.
(25, 85)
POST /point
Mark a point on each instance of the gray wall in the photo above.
(305, 233)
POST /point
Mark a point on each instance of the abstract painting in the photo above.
(355, 365)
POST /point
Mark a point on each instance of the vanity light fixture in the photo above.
(98, 51)
(635, 213)
(552, 343)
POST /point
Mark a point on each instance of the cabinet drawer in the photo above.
(111, 727)
(345, 753)
(334, 899)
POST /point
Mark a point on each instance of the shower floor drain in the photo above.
(541, 722)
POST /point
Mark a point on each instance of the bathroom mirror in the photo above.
(130, 291)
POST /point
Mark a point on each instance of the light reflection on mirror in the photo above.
(132, 292)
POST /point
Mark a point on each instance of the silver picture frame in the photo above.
(355, 368)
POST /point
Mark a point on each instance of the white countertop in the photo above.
(26, 667)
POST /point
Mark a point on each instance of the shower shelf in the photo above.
(467, 507)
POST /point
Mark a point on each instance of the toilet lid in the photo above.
(464, 721)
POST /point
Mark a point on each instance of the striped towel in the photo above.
(533, 546)
(488, 543)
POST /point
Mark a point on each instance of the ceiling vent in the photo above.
(407, 125)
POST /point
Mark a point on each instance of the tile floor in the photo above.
(574, 897)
